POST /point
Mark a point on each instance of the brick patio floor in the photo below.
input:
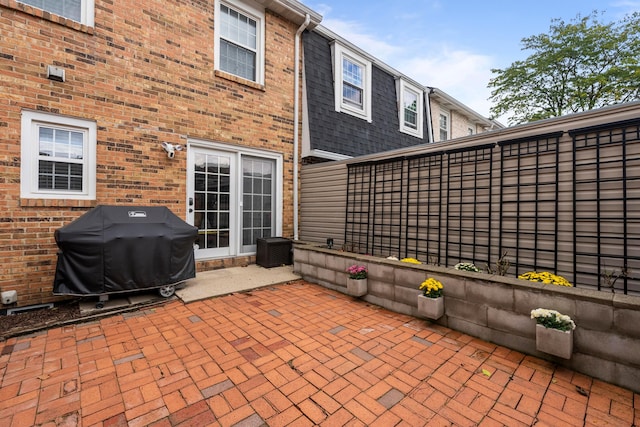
(288, 355)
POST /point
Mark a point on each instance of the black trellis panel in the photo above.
(357, 216)
(386, 210)
(529, 202)
(422, 210)
(467, 222)
(606, 221)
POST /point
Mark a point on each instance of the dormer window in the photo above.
(352, 77)
(410, 111)
(352, 83)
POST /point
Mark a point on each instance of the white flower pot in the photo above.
(356, 287)
(431, 308)
(554, 341)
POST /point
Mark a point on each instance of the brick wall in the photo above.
(145, 74)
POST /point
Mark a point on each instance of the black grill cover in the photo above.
(123, 248)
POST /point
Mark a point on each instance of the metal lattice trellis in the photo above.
(571, 209)
(606, 180)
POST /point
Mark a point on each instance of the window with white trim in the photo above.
(58, 157)
(444, 125)
(352, 76)
(470, 130)
(239, 40)
(77, 10)
(411, 108)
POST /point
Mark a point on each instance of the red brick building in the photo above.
(91, 89)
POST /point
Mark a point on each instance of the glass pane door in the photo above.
(210, 202)
(258, 187)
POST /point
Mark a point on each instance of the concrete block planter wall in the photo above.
(606, 342)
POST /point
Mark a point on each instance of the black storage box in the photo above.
(273, 252)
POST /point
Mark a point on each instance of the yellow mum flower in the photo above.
(545, 277)
(431, 288)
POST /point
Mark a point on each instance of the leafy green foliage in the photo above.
(577, 66)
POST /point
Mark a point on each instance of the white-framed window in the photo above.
(77, 10)
(352, 87)
(444, 124)
(470, 130)
(410, 111)
(239, 39)
(58, 157)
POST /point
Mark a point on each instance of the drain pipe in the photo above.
(296, 115)
(429, 91)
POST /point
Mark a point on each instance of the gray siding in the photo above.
(323, 202)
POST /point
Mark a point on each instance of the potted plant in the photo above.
(357, 281)
(554, 332)
(431, 301)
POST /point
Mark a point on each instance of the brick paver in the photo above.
(295, 354)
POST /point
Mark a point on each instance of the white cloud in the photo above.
(629, 5)
(462, 74)
(354, 33)
(322, 8)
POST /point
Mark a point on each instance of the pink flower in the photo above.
(357, 272)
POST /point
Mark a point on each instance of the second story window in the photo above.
(352, 82)
(239, 36)
(76, 10)
(410, 108)
(352, 77)
(444, 125)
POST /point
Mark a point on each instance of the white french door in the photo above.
(210, 201)
(234, 198)
(258, 191)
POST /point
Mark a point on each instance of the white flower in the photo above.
(539, 312)
(466, 266)
(552, 319)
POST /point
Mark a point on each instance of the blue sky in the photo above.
(453, 45)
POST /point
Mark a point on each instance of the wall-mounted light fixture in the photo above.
(329, 243)
(171, 149)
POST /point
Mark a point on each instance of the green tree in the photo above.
(576, 66)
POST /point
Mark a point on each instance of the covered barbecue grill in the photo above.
(112, 249)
